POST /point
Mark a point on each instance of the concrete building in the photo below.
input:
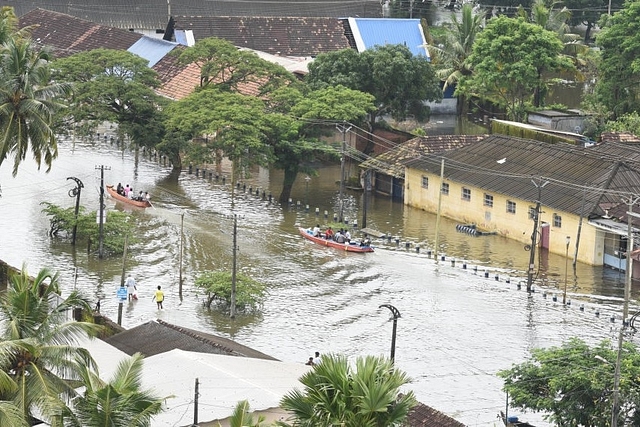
(496, 182)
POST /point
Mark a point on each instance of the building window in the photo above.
(466, 194)
(557, 220)
(511, 207)
(425, 182)
(488, 200)
(532, 212)
(445, 188)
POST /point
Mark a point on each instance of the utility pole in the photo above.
(435, 249)
(233, 271)
(101, 210)
(75, 192)
(180, 256)
(367, 191)
(344, 129)
(534, 234)
(195, 403)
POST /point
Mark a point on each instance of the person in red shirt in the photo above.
(328, 234)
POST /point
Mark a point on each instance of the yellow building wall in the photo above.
(517, 226)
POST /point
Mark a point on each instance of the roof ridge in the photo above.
(193, 334)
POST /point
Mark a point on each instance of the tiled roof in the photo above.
(623, 137)
(153, 14)
(392, 162)
(157, 337)
(425, 416)
(68, 35)
(510, 166)
(284, 36)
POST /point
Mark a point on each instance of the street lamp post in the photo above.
(396, 315)
(566, 269)
(306, 189)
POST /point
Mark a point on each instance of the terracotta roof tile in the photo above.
(425, 416)
(622, 137)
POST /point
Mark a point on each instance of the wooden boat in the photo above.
(349, 247)
(114, 194)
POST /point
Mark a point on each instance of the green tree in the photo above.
(337, 394)
(121, 402)
(627, 123)
(231, 69)
(38, 343)
(618, 83)
(228, 124)
(399, 81)
(511, 59)
(113, 86)
(451, 60)
(217, 288)
(587, 13)
(118, 224)
(296, 119)
(29, 99)
(574, 383)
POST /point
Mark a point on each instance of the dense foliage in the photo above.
(116, 226)
(511, 58)
(574, 384)
(217, 287)
(399, 81)
(338, 394)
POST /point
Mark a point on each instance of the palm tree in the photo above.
(40, 365)
(28, 101)
(118, 403)
(242, 416)
(451, 59)
(335, 394)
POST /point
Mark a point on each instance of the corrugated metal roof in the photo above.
(153, 50)
(507, 165)
(371, 32)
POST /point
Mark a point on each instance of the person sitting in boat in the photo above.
(329, 234)
(131, 195)
(120, 189)
(365, 241)
(140, 197)
(147, 196)
(340, 237)
(316, 231)
(347, 236)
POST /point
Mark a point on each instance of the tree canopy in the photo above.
(399, 81)
(29, 97)
(574, 384)
(511, 58)
(618, 83)
(112, 86)
(217, 286)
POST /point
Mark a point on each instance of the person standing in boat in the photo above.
(126, 190)
(120, 189)
(316, 230)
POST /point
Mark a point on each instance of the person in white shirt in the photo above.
(130, 283)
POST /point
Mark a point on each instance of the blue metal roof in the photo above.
(153, 50)
(370, 32)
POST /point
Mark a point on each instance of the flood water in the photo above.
(457, 327)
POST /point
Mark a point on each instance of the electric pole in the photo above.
(233, 271)
(344, 129)
(534, 234)
(195, 403)
(75, 192)
(101, 210)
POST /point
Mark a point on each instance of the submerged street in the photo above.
(457, 327)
